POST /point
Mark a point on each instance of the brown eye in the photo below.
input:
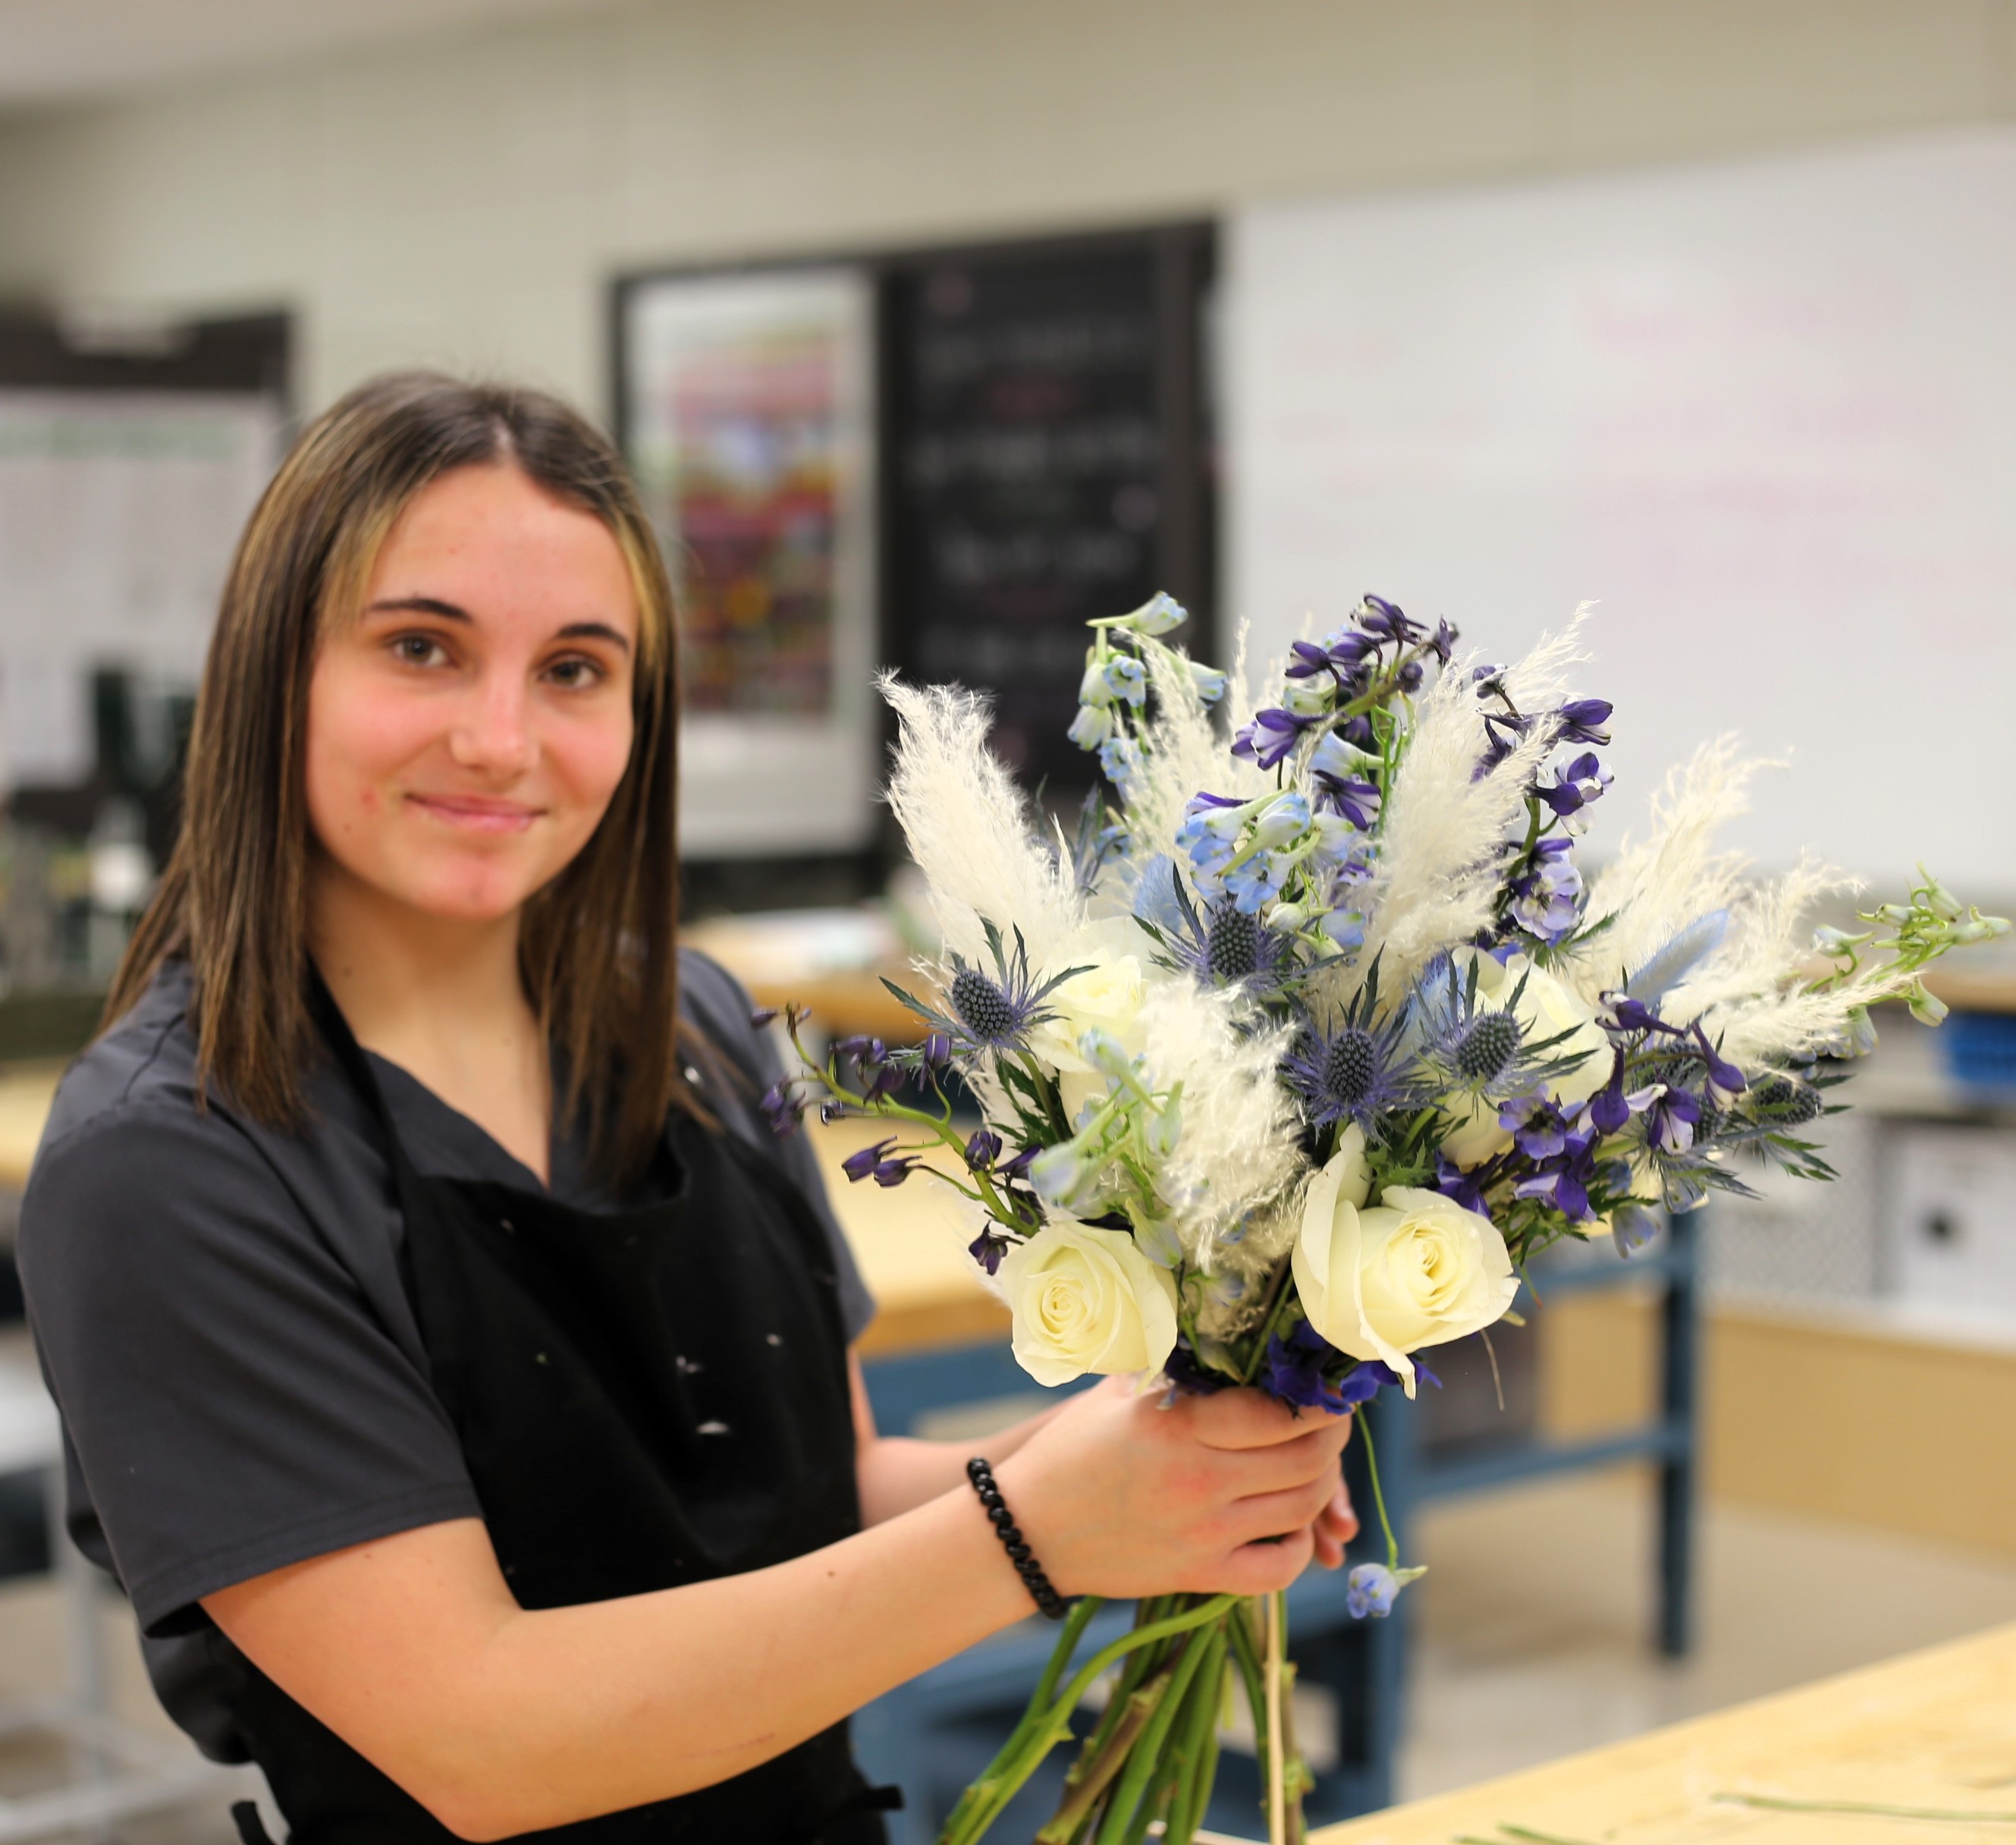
(575, 673)
(418, 650)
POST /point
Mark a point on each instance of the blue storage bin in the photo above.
(1981, 1050)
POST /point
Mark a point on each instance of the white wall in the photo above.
(466, 201)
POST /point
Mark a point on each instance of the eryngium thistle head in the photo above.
(983, 1007)
(1350, 1068)
(1784, 1101)
(1232, 944)
(1488, 1044)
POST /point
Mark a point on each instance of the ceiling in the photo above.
(56, 51)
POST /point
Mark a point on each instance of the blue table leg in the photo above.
(1679, 1407)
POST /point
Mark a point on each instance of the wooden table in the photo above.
(1934, 1729)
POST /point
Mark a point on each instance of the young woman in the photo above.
(455, 1375)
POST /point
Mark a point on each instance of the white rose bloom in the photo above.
(1087, 1300)
(1546, 1009)
(1415, 1270)
(1105, 998)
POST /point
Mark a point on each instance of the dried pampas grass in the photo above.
(1436, 881)
(969, 829)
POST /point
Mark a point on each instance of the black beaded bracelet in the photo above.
(1019, 1553)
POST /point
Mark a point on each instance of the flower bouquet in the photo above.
(1295, 1053)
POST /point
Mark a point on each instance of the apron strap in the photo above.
(251, 1828)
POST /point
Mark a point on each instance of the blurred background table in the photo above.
(1933, 1730)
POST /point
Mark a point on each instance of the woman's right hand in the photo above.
(1120, 1495)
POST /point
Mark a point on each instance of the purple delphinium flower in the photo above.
(988, 1248)
(1186, 1373)
(983, 1148)
(1272, 736)
(861, 1164)
(1292, 1370)
(1546, 899)
(783, 1106)
(1338, 769)
(1672, 1114)
(1582, 721)
(1574, 788)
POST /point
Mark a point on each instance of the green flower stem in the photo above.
(1196, 1742)
(1275, 1306)
(981, 1803)
(1137, 1710)
(1874, 1809)
(1135, 1668)
(1246, 1657)
(1144, 1759)
(1378, 1498)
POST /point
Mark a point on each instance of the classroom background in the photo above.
(931, 331)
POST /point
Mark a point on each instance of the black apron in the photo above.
(645, 1398)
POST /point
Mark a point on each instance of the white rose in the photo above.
(1105, 998)
(1087, 1300)
(1546, 1009)
(1415, 1270)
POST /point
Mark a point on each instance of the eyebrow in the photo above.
(449, 611)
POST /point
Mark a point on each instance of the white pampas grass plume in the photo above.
(1656, 887)
(969, 829)
(1436, 881)
(1239, 1147)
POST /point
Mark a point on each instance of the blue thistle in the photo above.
(990, 1012)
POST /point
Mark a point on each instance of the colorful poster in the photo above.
(748, 420)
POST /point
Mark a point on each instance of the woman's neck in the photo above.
(443, 999)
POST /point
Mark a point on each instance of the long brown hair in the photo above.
(597, 944)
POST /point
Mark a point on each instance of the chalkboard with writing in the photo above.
(1046, 460)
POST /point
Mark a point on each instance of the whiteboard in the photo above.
(119, 513)
(1765, 414)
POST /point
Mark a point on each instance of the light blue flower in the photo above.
(1160, 614)
(1125, 678)
(1281, 821)
(1209, 682)
(1254, 879)
(1092, 727)
(1121, 757)
(1371, 1587)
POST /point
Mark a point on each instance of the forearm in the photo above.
(566, 1713)
(896, 1473)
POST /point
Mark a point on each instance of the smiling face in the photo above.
(467, 729)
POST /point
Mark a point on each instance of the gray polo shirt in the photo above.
(220, 1315)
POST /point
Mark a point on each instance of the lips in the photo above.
(473, 814)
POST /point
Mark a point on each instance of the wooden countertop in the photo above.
(1933, 1730)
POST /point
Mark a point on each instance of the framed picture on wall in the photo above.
(747, 410)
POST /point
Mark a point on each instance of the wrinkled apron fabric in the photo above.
(645, 1398)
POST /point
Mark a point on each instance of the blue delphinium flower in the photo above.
(1120, 757)
(1370, 1589)
(1546, 899)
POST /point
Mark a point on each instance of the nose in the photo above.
(493, 734)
